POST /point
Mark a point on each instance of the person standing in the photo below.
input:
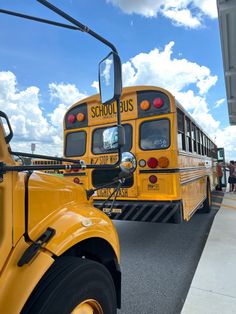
(219, 175)
(232, 176)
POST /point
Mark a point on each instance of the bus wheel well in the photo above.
(99, 250)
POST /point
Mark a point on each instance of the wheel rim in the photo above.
(89, 306)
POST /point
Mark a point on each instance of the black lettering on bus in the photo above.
(131, 106)
(93, 112)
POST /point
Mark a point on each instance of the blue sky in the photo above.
(173, 44)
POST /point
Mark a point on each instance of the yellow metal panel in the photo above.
(64, 207)
(17, 283)
(18, 206)
(5, 218)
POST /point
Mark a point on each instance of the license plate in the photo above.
(113, 211)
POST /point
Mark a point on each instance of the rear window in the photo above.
(75, 144)
(97, 144)
(155, 134)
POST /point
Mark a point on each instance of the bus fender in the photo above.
(19, 282)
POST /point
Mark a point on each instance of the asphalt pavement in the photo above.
(158, 262)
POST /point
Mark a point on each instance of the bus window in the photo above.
(155, 134)
(181, 137)
(194, 139)
(199, 141)
(188, 135)
(75, 144)
(97, 145)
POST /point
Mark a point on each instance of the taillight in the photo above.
(80, 117)
(145, 105)
(153, 179)
(158, 102)
(163, 162)
(71, 118)
(152, 162)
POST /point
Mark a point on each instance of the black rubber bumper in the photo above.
(146, 211)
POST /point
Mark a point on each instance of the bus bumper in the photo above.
(146, 211)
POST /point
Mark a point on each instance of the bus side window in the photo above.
(188, 135)
(181, 136)
(194, 138)
(204, 143)
(199, 142)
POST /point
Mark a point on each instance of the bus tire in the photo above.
(206, 208)
(73, 283)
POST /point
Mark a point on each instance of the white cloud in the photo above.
(148, 8)
(95, 85)
(159, 68)
(226, 138)
(188, 13)
(66, 93)
(182, 17)
(189, 82)
(22, 107)
(219, 102)
(26, 116)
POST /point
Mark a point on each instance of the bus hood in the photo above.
(48, 194)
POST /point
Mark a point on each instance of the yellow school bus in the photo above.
(175, 158)
(38, 161)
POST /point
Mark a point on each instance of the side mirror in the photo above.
(128, 164)
(6, 126)
(110, 83)
(113, 138)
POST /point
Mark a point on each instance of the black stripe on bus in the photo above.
(79, 174)
(173, 170)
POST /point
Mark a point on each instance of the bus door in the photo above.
(100, 156)
(153, 155)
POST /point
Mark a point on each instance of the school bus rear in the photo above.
(152, 193)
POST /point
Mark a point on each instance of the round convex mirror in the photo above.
(128, 163)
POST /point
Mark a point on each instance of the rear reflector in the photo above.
(152, 179)
(76, 180)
